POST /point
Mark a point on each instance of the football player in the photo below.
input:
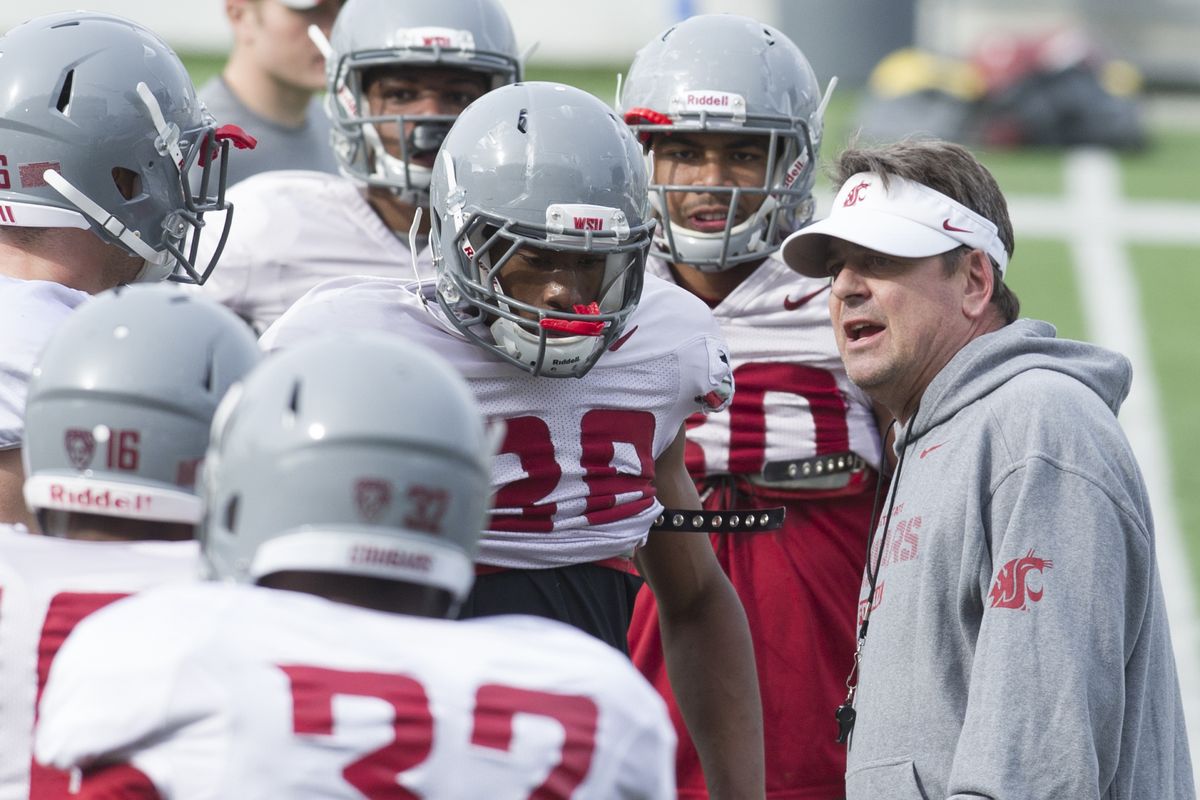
(730, 111)
(99, 125)
(268, 84)
(539, 237)
(398, 74)
(117, 422)
(347, 478)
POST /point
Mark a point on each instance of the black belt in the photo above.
(815, 467)
(745, 520)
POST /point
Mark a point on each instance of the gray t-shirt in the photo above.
(279, 146)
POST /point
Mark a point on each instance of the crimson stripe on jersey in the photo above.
(65, 611)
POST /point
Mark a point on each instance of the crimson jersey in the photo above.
(222, 691)
(47, 585)
(798, 585)
(794, 399)
(574, 477)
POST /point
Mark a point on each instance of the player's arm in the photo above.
(12, 478)
(706, 642)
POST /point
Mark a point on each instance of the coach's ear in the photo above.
(977, 290)
(236, 10)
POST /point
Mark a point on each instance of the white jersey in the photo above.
(574, 477)
(294, 229)
(222, 691)
(794, 400)
(47, 585)
(30, 311)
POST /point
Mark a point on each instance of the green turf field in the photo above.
(1042, 275)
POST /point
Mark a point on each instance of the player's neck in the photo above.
(395, 213)
(712, 287)
(50, 258)
(97, 528)
(264, 94)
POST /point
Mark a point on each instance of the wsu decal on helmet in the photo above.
(1012, 584)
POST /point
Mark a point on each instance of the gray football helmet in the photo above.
(120, 403)
(472, 35)
(548, 167)
(86, 95)
(352, 454)
(721, 73)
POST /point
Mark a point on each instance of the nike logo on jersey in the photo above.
(948, 227)
(929, 450)
(617, 344)
(791, 305)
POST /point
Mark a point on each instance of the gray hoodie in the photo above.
(1018, 643)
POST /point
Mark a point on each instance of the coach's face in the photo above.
(899, 321)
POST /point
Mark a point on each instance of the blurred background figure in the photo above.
(117, 423)
(269, 83)
(1047, 89)
(347, 480)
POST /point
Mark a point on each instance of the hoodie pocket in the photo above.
(893, 778)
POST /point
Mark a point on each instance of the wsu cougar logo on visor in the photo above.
(1012, 584)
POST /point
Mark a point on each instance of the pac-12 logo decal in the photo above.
(80, 446)
(372, 496)
(1017, 581)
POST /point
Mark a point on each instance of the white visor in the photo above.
(904, 218)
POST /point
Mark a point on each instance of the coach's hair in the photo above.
(952, 170)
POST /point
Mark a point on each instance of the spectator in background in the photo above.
(268, 83)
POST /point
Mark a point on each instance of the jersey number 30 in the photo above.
(600, 430)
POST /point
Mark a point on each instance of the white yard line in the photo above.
(1098, 222)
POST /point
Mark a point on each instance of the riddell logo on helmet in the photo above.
(794, 172)
(589, 224)
(87, 500)
(440, 41)
(709, 100)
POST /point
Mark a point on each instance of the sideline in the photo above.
(1098, 223)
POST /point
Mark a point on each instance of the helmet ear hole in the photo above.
(63, 104)
(229, 517)
(128, 182)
